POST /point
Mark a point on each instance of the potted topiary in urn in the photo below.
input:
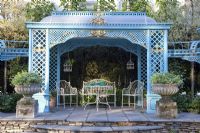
(27, 84)
(166, 85)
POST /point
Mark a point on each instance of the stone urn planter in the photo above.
(28, 90)
(165, 91)
(166, 85)
(27, 84)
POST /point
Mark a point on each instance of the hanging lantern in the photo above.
(67, 67)
(130, 64)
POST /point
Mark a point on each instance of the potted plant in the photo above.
(166, 84)
(53, 96)
(27, 83)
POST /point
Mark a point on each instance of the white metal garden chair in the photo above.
(64, 89)
(135, 89)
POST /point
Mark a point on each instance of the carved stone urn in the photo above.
(165, 107)
(165, 91)
(27, 90)
(166, 85)
(27, 84)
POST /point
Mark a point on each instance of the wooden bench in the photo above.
(100, 88)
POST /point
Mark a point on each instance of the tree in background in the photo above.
(139, 6)
(80, 5)
(73, 5)
(38, 9)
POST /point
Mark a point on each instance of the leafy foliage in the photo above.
(26, 78)
(74, 4)
(8, 102)
(183, 102)
(195, 105)
(166, 78)
(38, 9)
(139, 6)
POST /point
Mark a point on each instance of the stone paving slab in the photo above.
(98, 116)
(135, 116)
(135, 128)
(113, 115)
(97, 128)
(78, 115)
(93, 129)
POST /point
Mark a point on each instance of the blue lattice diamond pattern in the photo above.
(144, 65)
(60, 36)
(157, 51)
(53, 68)
(39, 54)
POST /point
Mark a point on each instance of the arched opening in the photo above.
(99, 62)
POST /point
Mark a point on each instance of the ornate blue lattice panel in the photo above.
(62, 35)
(134, 36)
(157, 51)
(192, 58)
(53, 68)
(144, 65)
(39, 53)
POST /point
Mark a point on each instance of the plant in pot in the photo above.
(53, 96)
(27, 84)
(166, 85)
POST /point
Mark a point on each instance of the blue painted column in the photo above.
(58, 72)
(165, 51)
(43, 97)
(148, 63)
(151, 98)
(30, 51)
(139, 61)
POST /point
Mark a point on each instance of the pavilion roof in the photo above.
(107, 17)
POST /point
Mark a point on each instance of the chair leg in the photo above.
(134, 102)
(122, 101)
(70, 100)
(115, 101)
(76, 100)
(64, 101)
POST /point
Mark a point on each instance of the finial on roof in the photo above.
(70, 5)
(98, 6)
(127, 5)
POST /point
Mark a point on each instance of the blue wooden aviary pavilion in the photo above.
(132, 31)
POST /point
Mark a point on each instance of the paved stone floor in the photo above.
(91, 115)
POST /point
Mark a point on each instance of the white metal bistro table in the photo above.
(99, 92)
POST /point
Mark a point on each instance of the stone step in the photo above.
(63, 128)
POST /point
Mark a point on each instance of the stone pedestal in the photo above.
(27, 107)
(166, 109)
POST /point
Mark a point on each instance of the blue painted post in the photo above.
(30, 51)
(148, 63)
(165, 51)
(139, 62)
(43, 98)
(47, 49)
(151, 98)
(58, 71)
